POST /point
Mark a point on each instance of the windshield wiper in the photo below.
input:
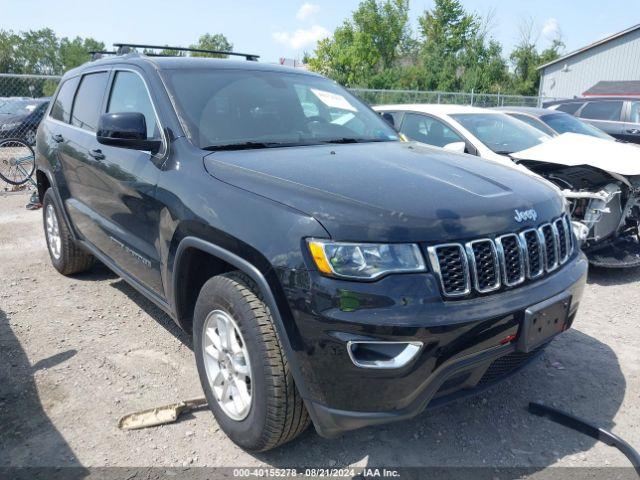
(353, 140)
(241, 146)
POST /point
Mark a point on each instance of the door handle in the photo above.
(634, 131)
(97, 154)
(57, 138)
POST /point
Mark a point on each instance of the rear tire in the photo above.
(276, 413)
(66, 256)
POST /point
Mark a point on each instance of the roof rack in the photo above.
(96, 54)
(123, 48)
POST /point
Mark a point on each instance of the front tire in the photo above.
(66, 256)
(246, 378)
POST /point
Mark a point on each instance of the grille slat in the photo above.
(534, 255)
(550, 246)
(450, 262)
(508, 261)
(485, 266)
(563, 239)
(512, 259)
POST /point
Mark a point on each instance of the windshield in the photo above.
(18, 107)
(501, 133)
(565, 123)
(257, 109)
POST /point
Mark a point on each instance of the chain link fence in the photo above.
(23, 101)
(381, 97)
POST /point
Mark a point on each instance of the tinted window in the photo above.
(501, 133)
(428, 130)
(534, 122)
(569, 108)
(129, 94)
(269, 108)
(606, 110)
(635, 112)
(564, 123)
(86, 106)
(61, 109)
(396, 116)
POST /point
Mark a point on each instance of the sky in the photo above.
(286, 28)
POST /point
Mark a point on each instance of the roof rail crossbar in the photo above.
(126, 48)
(96, 54)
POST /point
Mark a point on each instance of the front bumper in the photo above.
(461, 352)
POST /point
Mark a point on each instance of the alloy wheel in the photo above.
(53, 232)
(227, 365)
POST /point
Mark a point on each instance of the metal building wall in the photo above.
(617, 59)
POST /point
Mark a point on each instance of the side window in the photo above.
(604, 110)
(634, 115)
(428, 130)
(61, 109)
(86, 106)
(535, 123)
(129, 94)
(569, 108)
(396, 116)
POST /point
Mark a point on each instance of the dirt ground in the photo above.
(77, 353)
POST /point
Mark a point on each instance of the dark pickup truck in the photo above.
(329, 272)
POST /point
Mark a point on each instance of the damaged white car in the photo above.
(600, 179)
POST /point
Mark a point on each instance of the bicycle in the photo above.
(17, 162)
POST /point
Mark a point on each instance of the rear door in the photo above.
(631, 131)
(77, 141)
(604, 114)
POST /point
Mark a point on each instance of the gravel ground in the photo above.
(77, 353)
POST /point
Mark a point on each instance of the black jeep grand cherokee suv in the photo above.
(328, 272)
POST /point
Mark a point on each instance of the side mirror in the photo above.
(125, 130)
(457, 147)
(389, 118)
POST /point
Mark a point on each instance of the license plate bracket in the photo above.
(543, 321)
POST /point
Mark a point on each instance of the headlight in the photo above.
(9, 126)
(365, 261)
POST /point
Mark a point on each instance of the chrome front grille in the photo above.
(486, 265)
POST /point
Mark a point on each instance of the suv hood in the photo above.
(572, 149)
(390, 191)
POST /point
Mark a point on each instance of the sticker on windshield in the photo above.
(333, 100)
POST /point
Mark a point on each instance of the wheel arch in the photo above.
(231, 261)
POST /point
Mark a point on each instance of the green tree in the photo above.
(212, 42)
(525, 60)
(368, 44)
(37, 52)
(74, 52)
(457, 52)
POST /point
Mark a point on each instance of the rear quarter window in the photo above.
(61, 109)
